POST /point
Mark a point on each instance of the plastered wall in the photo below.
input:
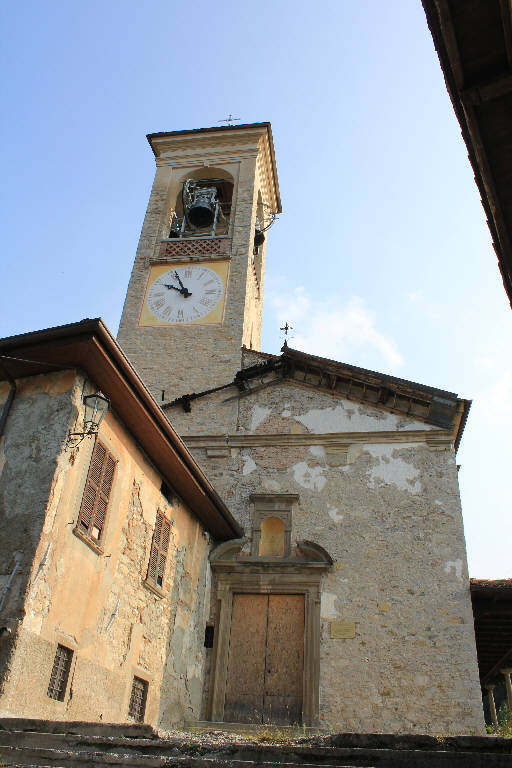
(385, 505)
(95, 604)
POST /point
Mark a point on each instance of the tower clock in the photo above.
(196, 288)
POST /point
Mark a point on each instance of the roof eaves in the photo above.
(296, 354)
(96, 330)
(221, 129)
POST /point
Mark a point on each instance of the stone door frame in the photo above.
(249, 575)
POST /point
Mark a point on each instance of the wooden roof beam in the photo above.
(492, 89)
(506, 20)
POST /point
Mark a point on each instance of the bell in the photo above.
(259, 238)
(201, 211)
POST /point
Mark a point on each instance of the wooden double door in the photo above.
(266, 659)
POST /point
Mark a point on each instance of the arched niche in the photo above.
(272, 537)
(206, 177)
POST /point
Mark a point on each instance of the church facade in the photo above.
(315, 571)
(347, 600)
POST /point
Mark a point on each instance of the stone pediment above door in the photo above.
(304, 556)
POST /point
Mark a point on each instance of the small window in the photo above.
(138, 699)
(208, 636)
(60, 673)
(159, 549)
(93, 510)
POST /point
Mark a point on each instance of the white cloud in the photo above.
(495, 403)
(426, 307)
(330, 329)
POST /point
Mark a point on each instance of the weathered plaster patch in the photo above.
(270, 485)
(354, 452)
(249, 464)
(286, 413)
(32, 622)
(456, 566)
(309, 477)
(318, 451)
(392, 469)
(335, 514)
(259, 414)
(53, 502)
(43, 562)
(327, 609)
(345, 418)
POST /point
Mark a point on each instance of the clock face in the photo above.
(185, 294)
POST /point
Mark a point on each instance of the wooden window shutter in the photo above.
(91, 518)
(159, 549)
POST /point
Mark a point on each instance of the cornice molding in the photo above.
(228, 157)
(438, 439)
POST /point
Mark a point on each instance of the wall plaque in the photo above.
(343, 630)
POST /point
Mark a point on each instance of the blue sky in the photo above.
(381, 258)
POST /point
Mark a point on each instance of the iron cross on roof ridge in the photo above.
(229, 119)
(286, 327)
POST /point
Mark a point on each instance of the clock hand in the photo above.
(184, 291)
(178, 279)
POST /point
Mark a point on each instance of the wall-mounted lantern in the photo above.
(96, 406)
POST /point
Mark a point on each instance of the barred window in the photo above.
(91, 518)
(159, 548)
(138, 699)
(60, 673)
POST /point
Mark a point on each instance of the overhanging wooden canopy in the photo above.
(473, 39)
(492, 612)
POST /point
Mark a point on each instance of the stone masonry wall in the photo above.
(385, 505)
(35, 430)
(95, 603)
(175, 359)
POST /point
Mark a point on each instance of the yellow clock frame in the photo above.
(215, 317)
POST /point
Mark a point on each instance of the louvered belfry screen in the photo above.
(159, 549)
(138, 698)
(60, 673)
(91, 519)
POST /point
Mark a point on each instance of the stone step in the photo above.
(47, 758)
(130, 730)
(252, 729)
(98, 745)
(266, 758)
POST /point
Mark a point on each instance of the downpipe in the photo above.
(8, 402)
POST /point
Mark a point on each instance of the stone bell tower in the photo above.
(196, 289)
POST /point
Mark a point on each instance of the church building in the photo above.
(347, 600)
(318, 572)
